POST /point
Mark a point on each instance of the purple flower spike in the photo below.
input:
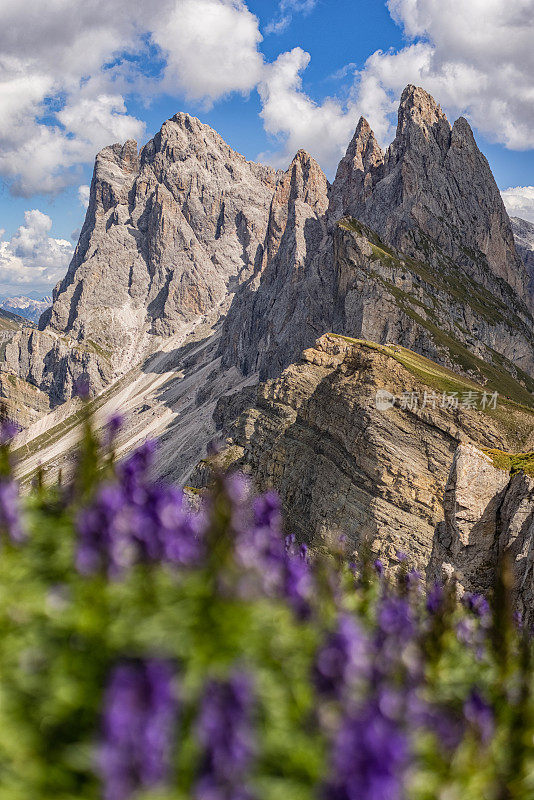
(8, 431)
(343, 659)
(137, 520)
(435, 599)
(395, 618)
(297, 584)
(369, 757)
(476, 604)
(480, 715)
(379, 567)
(10, 512)
(114, 425)
(226, 737)
(139, 722)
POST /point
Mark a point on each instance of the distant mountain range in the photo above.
(26, 306)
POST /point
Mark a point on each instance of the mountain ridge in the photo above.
(200, 279)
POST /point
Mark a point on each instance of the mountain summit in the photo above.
(188, 247)
(432, 181)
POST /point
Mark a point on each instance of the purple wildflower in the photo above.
(113, 426)
(379, 567)
(395, 618)
(138, 728)
(8, 431)
(137, 520)
(435, 599)
(446, 724)
(476, 604)
(10, 511)
(343, 658)
(369, 757)
(480, 715)
(225, 734)
(413, 579)
(297, 582)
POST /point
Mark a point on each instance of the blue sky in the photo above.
(270, 77)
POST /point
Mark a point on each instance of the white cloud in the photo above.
(519, 202)
(66, 62)
(289, 114)
(83, 194)
(32, 258)
(65, 79)
(286, 9)
(211, 48)
(476, 58)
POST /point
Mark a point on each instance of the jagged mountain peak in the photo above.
(418, 107)
(353, 179)
(432, 182)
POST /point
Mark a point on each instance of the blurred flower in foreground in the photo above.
(480, 715)
(137, 520)
(343, 658)
(225, 734)
(139, 722)
(10, 510)
(369, 757)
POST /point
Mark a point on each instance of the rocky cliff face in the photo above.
(489, 515)
(169, 233)
(187, 227)
(289, 301)
(524, 240)
(432, 181)
(198, 272)
(345, 459)
(424, 255)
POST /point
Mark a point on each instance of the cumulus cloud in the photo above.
(66, 71)
(476, 58)
(211, 48)
(32, 258)
(289, 114)
(519, 202)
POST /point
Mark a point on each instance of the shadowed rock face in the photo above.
(169, 233)
(290, 299)
(489, 515)
(431, 196)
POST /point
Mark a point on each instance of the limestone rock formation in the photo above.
(434, 182)
(169, 233)
(343, 463)
(489, 515)
(524, 241)
(289, 300)
(425, 251)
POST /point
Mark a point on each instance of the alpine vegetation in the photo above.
(154, 645)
